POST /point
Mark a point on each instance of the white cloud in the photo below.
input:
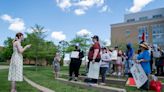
(89, 3)
(64, 4)
(105, 8)
(79, 11)
(6, 17)
(79, 7)
(138, 5)
(58, 35)
(83, 32)
(16, 24)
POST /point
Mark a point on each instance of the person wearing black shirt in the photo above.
(75, 64)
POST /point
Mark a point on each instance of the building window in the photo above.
(158, 33)
(130, 20)
(143, 18)
(141, 30)
(157, 16)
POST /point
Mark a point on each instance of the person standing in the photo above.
(157, 55)
(119, 63)
(144, 59)
(56, 65)
(75, 64)
(105, 59)
(94, 53)
(114, 57)
(16, 63)
(129, 58)
(151, 60)
(160, 64)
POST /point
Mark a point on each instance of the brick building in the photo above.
(135, 24)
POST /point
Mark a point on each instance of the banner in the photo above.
(94, 69)
(138, 75)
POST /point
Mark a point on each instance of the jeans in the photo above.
(103, 71)
(128, 65)
(109, 68)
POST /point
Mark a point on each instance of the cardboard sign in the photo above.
(94, 69)
(114, 55)
(138, 75)
(75, 54)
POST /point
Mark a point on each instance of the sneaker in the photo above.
(76, 79)
(94, 84)
(114, 73)
(119, 73)
(102, 84)
(70, 79)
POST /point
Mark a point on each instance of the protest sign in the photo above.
(138, 75)
(94, 69)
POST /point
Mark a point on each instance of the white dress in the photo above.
(16, 64)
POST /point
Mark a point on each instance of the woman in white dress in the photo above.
(16, 63)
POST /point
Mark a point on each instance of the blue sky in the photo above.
(63, 19)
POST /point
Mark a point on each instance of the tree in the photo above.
(49, 51)
(62, 49)
(8, 49)
(40, 48)
(83, 41)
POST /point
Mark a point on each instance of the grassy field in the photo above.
(129, 89)
(44, 77)
(21, 86)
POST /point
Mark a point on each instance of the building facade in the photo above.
(151, 23)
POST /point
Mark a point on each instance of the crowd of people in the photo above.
(112, 61)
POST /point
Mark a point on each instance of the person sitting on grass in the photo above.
(56, 65)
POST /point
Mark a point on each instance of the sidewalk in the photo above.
(4, 67)
(37, 86)
(7, 66)
(99, 88)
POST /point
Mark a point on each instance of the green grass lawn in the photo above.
(21, 86)
(44, 77)
(65, 69)
(129, 89)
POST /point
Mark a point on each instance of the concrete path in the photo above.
(37, 86)
(4, 67)
(88, 86)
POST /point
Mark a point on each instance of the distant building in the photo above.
(135, 24)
